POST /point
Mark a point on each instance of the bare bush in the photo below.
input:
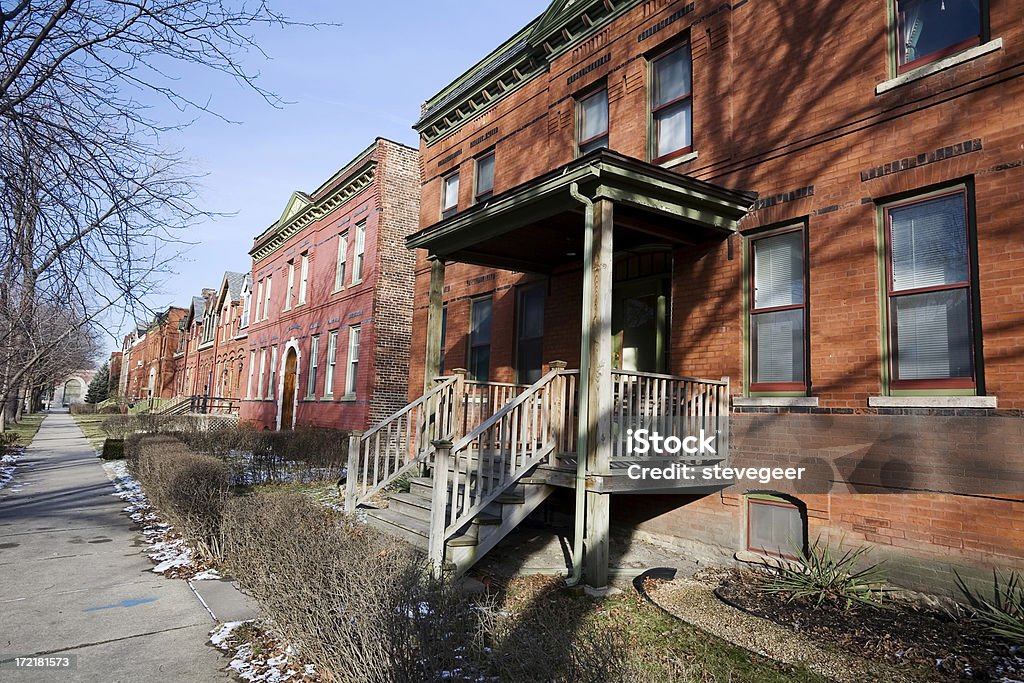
(190, 489)
(357, 603)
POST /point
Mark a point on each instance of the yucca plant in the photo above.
(822, 573)
(1003, 614)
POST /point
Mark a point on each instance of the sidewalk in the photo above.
(73, 582)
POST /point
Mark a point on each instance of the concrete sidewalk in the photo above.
(74, 582)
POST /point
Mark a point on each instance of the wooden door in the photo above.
(288, 395)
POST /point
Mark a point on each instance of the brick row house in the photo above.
(332, 282)
(815, 210)
(210, 356)
(147, 369)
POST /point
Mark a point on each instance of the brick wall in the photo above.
(785, 104)
(380, 304)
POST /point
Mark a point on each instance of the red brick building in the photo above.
(821, 205)
(147, 365)
(210, 355)
(328, 338)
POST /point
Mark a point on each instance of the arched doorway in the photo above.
(291, 361)
(74, 391)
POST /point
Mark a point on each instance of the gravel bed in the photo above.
(695, 602)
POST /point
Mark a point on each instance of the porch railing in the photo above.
(473, 471)
(401, 443)
(671, 405)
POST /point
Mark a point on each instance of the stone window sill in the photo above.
(980, 402)
(775, 402)
(939, 65)
(679, 161)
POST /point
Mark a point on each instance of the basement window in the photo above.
(776, 526)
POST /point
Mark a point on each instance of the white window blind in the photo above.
(779, 271)
(928, 241)
(778, 345)
(776, 529)
(933, 335)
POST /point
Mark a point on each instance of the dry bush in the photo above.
(82, 408)
(355, 602)
(189, 488)
(120, 426)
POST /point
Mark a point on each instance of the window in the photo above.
(592, 122)
(259, 301)
(353, 361)
(263, 367)
(252, 371)
(484, 177)
(291, 285)
(529, 334)
(303, 277)
(332, 359)
(358, 252)
(266, 300)
(246, 305)
(339, 269)
(931, 340)
(314, 363)
(272, 388)
(450, 195)
(671, 105)
(775, 526)
(480, 340)
(927, 30)
(778, 339)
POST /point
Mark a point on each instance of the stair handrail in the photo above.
(467, 500)
(359, 452)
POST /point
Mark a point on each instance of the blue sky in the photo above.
(346, 85)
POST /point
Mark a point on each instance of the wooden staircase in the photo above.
(478, 459)
(408, 517)
(468, 457)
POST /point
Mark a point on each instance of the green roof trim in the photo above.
(303, 209)
(514, 63)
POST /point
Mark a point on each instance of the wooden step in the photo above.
(418, 507)
(414, 531)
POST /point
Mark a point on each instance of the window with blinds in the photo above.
(778, 339)
(929, 292)
(592, 122)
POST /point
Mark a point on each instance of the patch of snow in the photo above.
(7, 464)
(207, 575)
(276, 666)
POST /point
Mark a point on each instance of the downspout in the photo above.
(582, 435)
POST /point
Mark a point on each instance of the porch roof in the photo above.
(537, 226)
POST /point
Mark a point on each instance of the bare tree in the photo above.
(92, 207)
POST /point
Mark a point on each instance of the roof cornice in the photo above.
(271, 240)
(516, 62)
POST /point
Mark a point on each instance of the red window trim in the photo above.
(482, 196)
(448, 211)
(890, 293)
(655, 110)
(780, 504)
(760, 387)
(580, 144)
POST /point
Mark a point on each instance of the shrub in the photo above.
(823, 575)
(82, 408)
(189, 488)
(113, 449)
(1002, 614)
(120, 426)
(355, 602)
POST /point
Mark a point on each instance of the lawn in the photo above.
(652, 643)
(91, 425)
(27, 428)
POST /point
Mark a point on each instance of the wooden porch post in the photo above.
(435, 314)
(599, 390)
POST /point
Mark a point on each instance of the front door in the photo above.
(639, 325)
(288, 395)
